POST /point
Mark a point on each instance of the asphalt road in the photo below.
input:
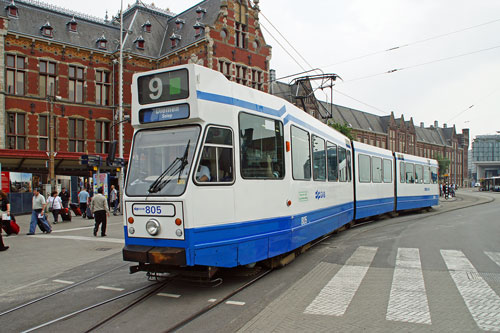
(432, 271)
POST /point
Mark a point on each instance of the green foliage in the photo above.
(344, 129)
(443, 162)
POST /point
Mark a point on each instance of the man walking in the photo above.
(100, 209)
(113, 199)
(65, 197)
(38, 213)
(83, 198)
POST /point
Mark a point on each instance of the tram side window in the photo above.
(216, 162)
(261, 147)
(427, 175)
(434, 175)
(387, 171)
(402, 170)
(419, 174)
(319, 160)
(348, 158)
(301, 155)
(333, 166)
(364, 168)
(376, 170)
(344, 172)
(410, 174)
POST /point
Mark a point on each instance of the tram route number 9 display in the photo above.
(163, 87)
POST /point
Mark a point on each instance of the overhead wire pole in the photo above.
(120, 109)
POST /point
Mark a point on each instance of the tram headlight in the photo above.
(153, 227)
(131, 230)
(178, 232)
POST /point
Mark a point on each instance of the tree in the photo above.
(344, 129)
(443, 162)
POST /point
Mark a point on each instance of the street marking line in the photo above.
(63, 281)
(95, 239)
(338, 293)
(482, 301)
(408, 298)
(81, 228)
(235, 303)
(110, 288)
(168, 295)
(212, 300)
(495, 256)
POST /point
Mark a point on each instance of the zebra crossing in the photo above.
(408, 299)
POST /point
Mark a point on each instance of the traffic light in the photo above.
(111, 153)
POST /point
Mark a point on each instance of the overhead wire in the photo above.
(473, 105)
(412, 43)
(357, 100)
(422, 64)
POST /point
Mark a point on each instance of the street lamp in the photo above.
(120, 108)
(52, 153)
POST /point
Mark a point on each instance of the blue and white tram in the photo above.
(222, 175)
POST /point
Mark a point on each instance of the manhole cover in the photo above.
(103, 249)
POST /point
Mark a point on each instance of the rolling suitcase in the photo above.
(42, 226)
(65, 215)
(74, 207)
(10, 227)
(89, 214)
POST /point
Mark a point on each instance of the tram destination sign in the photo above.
(164, 113)
(163, 87)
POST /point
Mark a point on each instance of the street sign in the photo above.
(91, 160)
(84, 159)
(118, 162)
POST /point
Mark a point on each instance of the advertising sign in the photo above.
(101, 181)
(6, 181)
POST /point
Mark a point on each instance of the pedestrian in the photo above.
(113, 199)
(38, 205)
(100, 209)
(83, 198)
(65, 197)
(5, 207)
(55, 205)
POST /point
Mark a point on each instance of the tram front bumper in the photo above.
(155, 255)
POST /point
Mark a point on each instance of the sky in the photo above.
(446, 53)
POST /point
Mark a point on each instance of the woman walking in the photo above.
(5, 207)
(55, 205)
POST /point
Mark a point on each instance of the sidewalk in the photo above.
(31, 259)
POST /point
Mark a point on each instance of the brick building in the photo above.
(389, 132)
(55, 59)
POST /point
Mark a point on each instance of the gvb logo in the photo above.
(320, 195)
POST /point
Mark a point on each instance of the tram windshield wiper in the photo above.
(177, 166)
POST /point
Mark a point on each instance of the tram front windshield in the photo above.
(160, 161)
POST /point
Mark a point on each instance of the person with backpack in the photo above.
(83, 198)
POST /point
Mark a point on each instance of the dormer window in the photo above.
(146, 26)
(72, 25)
(47, 30)
(200, 12)
(11, 9)
(198, 28)
(139, 43)
(175, 39)
(102, 42)
(179, 23)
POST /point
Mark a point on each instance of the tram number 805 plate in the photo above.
(153, 210)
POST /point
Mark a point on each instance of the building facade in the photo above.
(395, 134)
(486, 156)
(63, 66)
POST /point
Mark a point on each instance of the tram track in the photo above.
(36, 300)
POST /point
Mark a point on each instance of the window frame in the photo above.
(105, 128)
(73, 135)
(309, 152)
(17, 73)
(369, 165)
(409, 181)
(328, 145)
(380, 180)
(16, 134)
(216, 146)
(47, 76)
(384, 170)
(419, 180)
(280, 147)
(103, 85)
(75, 79)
